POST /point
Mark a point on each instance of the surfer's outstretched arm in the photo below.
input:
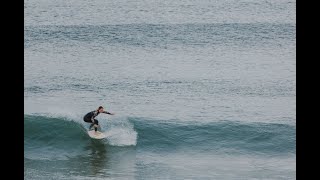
(106, 112)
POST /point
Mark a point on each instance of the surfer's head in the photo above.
(100, 109)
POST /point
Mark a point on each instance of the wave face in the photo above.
(224, 136)
(60, 138)
(63, 138)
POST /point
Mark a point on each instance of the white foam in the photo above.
(120, 132)
(120, 136)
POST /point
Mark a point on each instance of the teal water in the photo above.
(200, 89)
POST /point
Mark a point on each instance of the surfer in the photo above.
(90, 117)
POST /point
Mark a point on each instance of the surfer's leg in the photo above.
(96, 124)
(88, 120)
(91, 126)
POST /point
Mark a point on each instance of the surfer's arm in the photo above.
(106, 112)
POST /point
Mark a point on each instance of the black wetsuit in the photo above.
(90, 118)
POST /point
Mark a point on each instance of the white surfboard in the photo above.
(96, 135)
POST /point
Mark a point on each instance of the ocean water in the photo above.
(200, 89)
